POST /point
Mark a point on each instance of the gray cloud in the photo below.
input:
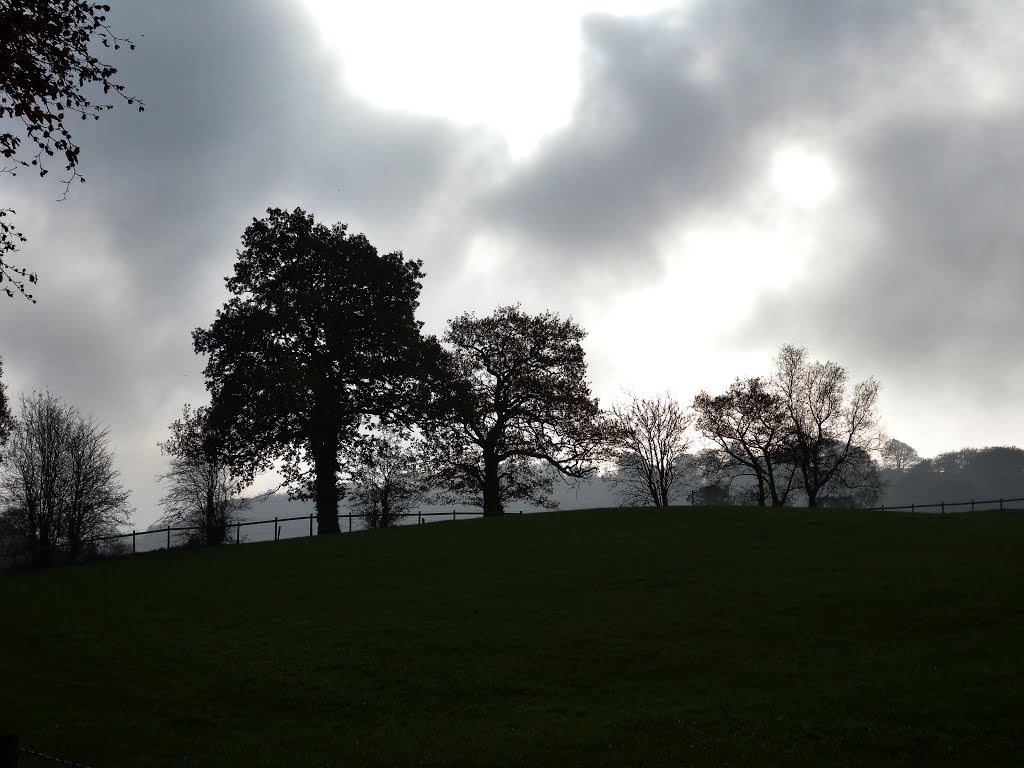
(678, 111)
(243, 111)
(917, 264)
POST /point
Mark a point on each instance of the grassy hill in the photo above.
(659, 638)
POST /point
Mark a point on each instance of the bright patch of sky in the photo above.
(513, 67)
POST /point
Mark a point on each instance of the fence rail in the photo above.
(942, 506)
(11, 751)
(167, 531)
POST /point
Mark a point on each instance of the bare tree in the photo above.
(58, 484)
(387, 478)
(748, 428)
(651, 437)
(898, 455)
(831, 427)
(202, 492)
(96, 502)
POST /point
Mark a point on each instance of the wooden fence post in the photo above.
(8, 750)
(238, 533)
(311, 525)
(276, 529)
(168, 537)
(350, 522)
(133, 541)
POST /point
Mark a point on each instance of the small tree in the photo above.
(5, 409)
(387, 478)
(831, 428)
(47, 68)
(58, 482)
(202, 492)
(520, 409)
(651, 438)
(748, 426)
(898, 455)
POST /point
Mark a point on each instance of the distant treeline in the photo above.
(969, 473)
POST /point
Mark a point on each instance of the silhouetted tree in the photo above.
(748, 426)
(387, 477)
(202, 491)
(651, 440)
(58, 483)
(858, 483)
(898, 455)
(320, 335)
(830, 428)
(48, 70)
(521, 412)
(5, 408)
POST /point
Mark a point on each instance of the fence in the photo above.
(170, 535)
(11, 753)
(942, 506)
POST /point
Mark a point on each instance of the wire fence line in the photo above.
(942, 506)
(172, 535)
(168, 532)
(12, 753)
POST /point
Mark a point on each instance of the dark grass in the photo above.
(618, 637)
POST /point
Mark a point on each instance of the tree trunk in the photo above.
(492, 487)
(325, 484)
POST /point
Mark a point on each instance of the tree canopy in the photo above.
(319, 337)
(804, 428)
(48, 68)
(521, 412)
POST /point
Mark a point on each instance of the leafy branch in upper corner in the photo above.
(47, 67)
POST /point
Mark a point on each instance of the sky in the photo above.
(696, 184)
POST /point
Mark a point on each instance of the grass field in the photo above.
(637, 638)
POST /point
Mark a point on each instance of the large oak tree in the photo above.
(521, 412)
(319, 337)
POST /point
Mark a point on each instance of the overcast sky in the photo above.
(696, 184)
